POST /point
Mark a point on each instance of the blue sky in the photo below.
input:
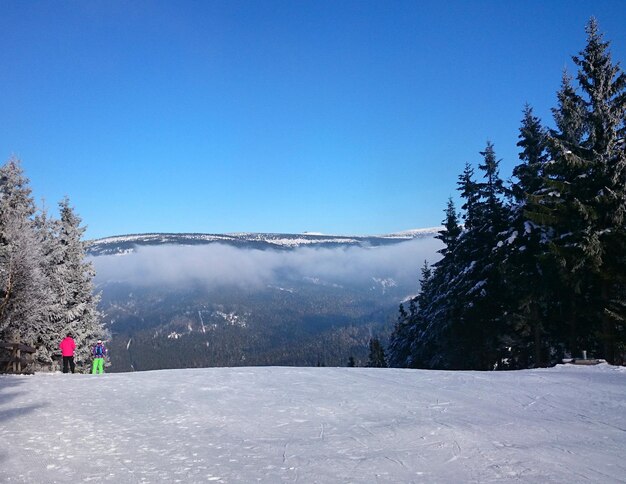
(350, 117)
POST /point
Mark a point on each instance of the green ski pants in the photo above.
(98, 366)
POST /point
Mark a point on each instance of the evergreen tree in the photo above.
(569, 115)
(476, 320)
(377, 355)
(78, 312)
(24, 294)
(530, 280)
(604, 89)
(400, 341)
(451, 229)
(491, 191)
(421, 338)
(47, 238)
(586, 201)
(534, 156)
(469, 192)
(438, 307)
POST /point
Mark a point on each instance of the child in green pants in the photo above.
(99, 352)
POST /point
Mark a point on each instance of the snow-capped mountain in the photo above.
(122, 244)
(251, 298)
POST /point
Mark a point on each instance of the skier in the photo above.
(67, 350)
(98, 352)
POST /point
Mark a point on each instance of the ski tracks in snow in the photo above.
(313, 425)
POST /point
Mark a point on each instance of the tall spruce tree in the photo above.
(480, 282)
(604, 93)
(530, 281)
(464, 318)
(437, 302)
(48, 340)
(77, 300)
(24, 293)
(399, 349)
(421, 339)
(407, 337)
(585, 199)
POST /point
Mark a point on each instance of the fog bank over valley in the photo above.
(216, 265)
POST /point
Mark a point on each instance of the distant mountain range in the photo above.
(199, 300)
(124, 243)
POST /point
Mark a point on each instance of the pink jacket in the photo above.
(67, 346)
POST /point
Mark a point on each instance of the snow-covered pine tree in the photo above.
(78, 312)
(409, 338)
(530, 281)
(557, 205)
(604, 94)
(421, 339)
(585, 199)
(428, 336)
(24, 292)
(47, 229)
(475, 289)
(438, 309)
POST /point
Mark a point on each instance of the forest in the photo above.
(46, 285)
(533, 271)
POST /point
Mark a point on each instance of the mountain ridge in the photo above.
(120, 244)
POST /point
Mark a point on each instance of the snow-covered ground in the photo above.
(326, 425)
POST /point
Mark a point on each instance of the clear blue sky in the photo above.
(351, 117)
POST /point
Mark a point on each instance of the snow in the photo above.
(274, 239)
(385, 283)
(528, 227)
(409, 234)
(477, 286)
(512, 238)
(327, 425)
(233, 319)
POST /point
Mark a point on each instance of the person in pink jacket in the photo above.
(67, 350)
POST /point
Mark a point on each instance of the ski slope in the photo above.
(308, 425)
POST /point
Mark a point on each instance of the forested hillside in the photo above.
(294, 321)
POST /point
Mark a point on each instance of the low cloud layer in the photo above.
(222, 265)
